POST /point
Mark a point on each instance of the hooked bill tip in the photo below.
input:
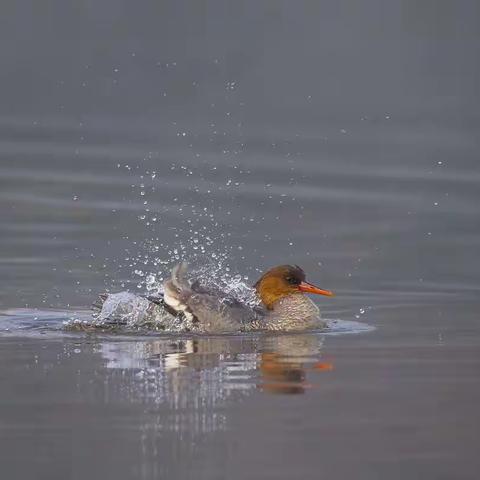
(310, 288)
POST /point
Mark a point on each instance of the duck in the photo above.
(283, 304)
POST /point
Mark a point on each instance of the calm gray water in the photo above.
(340, 136)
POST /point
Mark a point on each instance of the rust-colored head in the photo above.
(284, 280)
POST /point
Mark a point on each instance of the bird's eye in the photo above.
(291, 280)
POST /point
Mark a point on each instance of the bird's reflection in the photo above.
(190, 388)
(219, 367)
(285, 360)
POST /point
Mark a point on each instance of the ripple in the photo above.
(27, 322)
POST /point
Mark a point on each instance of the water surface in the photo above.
(339, 137)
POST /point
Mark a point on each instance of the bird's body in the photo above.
(283, 304)
(296, 312)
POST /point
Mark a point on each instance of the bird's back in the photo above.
(209, 309)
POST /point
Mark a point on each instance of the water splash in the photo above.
(191, 228)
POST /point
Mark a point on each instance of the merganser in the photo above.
(281, 291)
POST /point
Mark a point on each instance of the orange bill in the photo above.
(310, 288)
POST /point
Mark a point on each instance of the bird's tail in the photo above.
(177, 289)
(179, 276)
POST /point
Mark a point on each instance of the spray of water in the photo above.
(193, 230)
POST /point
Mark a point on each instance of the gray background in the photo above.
(341, 136)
